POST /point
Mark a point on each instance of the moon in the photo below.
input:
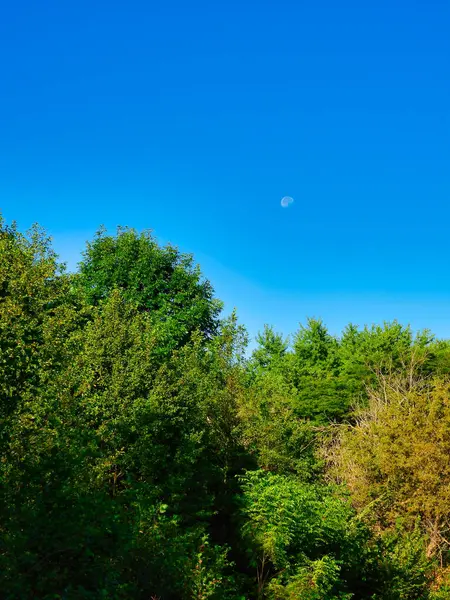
(286, 201)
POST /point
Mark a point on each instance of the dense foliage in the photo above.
(145, 455)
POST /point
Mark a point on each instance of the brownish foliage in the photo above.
(395, 458)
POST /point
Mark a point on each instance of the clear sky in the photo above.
(195, 118)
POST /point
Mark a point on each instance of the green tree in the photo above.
(142, 455)
(32, 290)
(314, 369)
(117, 448)
(302, 536)
(271, 431)
(159, 280)
(388, 350)
(315, 349)
(117, 464)
(271, 349)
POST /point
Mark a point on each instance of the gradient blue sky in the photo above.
(195, 118)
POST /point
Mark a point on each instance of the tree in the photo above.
(271, 349)
(315, 349)
(388, 350)
(314, 369)
(271, 431)
(395, 458)
(127, 455)
(31, 292)
(142, 455)
(304, 538)
(158, 280)
(117, 445)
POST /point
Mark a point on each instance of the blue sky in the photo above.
(194, 119)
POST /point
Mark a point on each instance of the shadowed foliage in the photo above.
(144, 455)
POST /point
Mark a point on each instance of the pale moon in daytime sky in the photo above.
(286, 201)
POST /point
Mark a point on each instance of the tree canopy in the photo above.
(145, 455)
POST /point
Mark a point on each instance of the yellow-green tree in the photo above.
(395, 459)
